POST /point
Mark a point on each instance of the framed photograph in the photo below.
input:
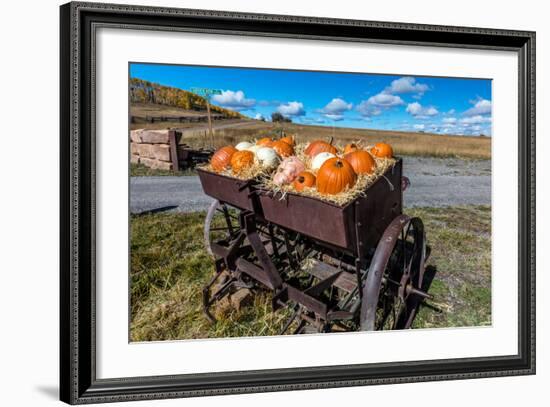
(254, 203)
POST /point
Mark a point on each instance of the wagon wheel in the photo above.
(392, 293)
(220, 225)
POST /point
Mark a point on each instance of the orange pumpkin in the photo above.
(382, 150)
(282, 148)
(241, 160)
(222, 158)
(361, 161)
(303, 180)
(335, 175)
(350, 148)
(319, 146)
(289, 140)
(266, 141)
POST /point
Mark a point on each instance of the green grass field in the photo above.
(169, 267)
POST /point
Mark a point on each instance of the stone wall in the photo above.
(151, 148)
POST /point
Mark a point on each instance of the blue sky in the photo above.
(387, 102)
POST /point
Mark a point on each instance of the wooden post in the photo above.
(209, 122)
(174, 149)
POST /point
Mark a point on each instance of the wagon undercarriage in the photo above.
(327, 288)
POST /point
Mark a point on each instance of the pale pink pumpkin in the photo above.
(288, 170)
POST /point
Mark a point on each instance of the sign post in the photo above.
(207, 93)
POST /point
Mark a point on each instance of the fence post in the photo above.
(173, 149)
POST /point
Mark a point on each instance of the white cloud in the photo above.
(335, 109)
(259, 116)
(407, 84)
(449, 128)
(414, 108)
(481, 106)
(367, 110)
(374, 105)
(292, 109)
(385, 100)
(233, 100)
(337, 106)
(449, 120)
(335, 117)
(421, 112)
(475, 120)
(450, 112)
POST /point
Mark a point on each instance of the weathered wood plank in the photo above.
(173, 149)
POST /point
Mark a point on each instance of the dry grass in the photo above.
(140, 170)
(145, 109)
(169, 268)
(404, 143)
(140, 111)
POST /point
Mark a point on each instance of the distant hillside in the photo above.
(142, 91)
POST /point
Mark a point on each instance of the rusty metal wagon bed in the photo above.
(353, 267)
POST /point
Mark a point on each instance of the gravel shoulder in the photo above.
(435, 182)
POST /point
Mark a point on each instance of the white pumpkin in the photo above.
(243, 145)
(320, 158)
(267, 157)
(254, 148)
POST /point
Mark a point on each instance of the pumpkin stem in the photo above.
(339, 164)
(331, 140)
(301, 179)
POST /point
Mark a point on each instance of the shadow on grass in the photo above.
(157, 210)
(429, 276)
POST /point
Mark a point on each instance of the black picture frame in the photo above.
(78, 382)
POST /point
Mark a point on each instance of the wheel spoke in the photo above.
(228, 220)
(396, 309)
(219, 225)
(218, 229)
(404, 247)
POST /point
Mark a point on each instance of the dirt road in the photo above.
(435, 182)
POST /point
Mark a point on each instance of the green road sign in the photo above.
(206, 91)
